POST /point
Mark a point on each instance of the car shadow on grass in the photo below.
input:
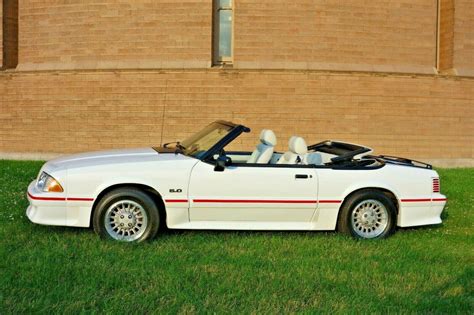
(430, 227)
(166, 233)
(173, 233)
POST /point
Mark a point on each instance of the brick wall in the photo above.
(366, 35)
(464, 37)
(91, 101)
(114, 34)
(1, 34)
(414, 116)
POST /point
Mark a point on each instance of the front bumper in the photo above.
(56, 209)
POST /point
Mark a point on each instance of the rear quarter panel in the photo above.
(403, 181)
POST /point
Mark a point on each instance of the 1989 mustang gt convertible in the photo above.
(195, 184)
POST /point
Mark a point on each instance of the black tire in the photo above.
(134, 196)
(350, 215)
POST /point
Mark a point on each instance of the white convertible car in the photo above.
(194, 184)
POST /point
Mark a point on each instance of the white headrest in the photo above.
(298, 145)
(268, 137)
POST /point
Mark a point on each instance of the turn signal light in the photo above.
(54, 186)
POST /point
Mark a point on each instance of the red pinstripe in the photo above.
(59, 198)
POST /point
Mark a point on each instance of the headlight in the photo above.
(47, 183)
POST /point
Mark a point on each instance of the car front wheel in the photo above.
(126, 214)
(368, 214)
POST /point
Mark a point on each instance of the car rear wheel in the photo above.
(126, 214)
(368, 214)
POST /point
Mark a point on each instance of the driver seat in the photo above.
(297, 153)
(264, 150)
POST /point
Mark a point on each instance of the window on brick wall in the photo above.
(10, 34)
(222, 31)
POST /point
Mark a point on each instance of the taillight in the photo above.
(436, 185)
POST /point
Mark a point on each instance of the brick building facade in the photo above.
(96, 74)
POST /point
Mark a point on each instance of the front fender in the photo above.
(123, 181)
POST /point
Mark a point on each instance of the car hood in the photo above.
(121, 156)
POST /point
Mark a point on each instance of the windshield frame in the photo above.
(233, 133)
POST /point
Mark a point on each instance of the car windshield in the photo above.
(199, 143)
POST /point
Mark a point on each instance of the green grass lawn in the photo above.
(69, 270)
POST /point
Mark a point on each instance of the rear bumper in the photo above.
(416, 212)
(56, 209)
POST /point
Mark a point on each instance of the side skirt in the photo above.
(245, 225)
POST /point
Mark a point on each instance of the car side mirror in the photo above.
(221, 162)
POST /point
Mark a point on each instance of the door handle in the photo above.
(301, 176)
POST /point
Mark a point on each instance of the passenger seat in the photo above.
(264, 150)
(297, 153)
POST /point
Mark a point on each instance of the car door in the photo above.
(241, 192)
